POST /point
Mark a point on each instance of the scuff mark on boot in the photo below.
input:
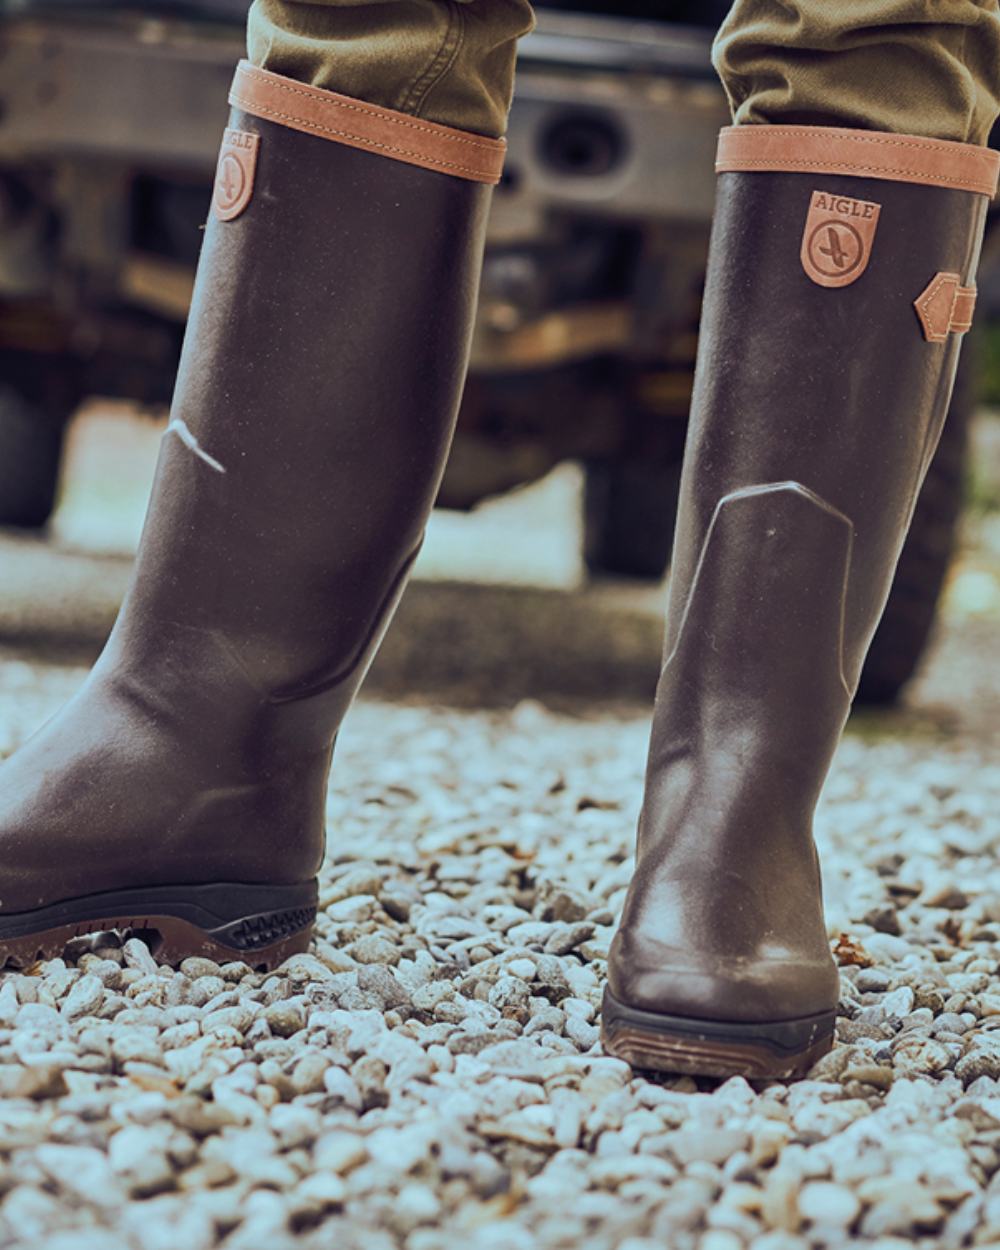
(179, 427)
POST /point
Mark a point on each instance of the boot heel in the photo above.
(256, 924)
(657, 1042)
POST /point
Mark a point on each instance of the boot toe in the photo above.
(649, 976)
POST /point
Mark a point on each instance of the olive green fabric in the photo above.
(450, 61)
(926, 67)
(922, 67)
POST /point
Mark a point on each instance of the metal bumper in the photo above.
(611, 116)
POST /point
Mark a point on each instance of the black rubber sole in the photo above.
(662, 1043)
(260, 924)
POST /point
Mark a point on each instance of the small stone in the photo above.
(949, 897)
(332, 957)
(929, 997)
(377, 980)
(884, 920)
(564, 906)
(414, 1205)
(949, 1022)
(350, 884)
(39, 1083)
(876, 1075)
(849, 1031)
(976, 1063)
(339, 1152)
(196, 966)
(139, 1156)
(205, 988)
(40, 1017)
(708, 1146)
(84, 998)
(872, 980)
(720, 1239)
(397, 905)
(320, 1192)
(354, 910)
(578, 1008)
(921, 1055)
(373, 949)
(340, 1086)
(369, 1075)
(235, 971)
(286, 1018)
(583, 1034)
(295, 1125)
(427, 997)
(366, 1031)
(301, 969)
(510, 995)
(129, 1047)
(828, 1205)
(566, 938)
(239, 1018)
(899, 1003)
(523, 968)
(308, 1074)
(8, 1004)
(138, 955)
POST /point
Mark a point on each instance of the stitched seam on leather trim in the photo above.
(777, 164)
(932, 292)
(971, 151)
(963, 310)
(849, 136)
(261, 110)
(935, 334)
(430, 129)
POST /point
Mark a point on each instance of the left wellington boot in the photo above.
(840, 281)
(182, 792)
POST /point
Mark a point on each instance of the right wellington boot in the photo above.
(182, 792)
(841, 279)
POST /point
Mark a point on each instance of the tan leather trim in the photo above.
(858, 153)
(963, 309)
(361, 125)
(945, 307)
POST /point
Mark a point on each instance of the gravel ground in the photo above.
(431, 1074)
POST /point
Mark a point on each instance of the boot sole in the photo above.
(256, 924)
(650, 1041)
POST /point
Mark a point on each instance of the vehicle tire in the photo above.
(31, 443)
(908, 622)
(629, 510)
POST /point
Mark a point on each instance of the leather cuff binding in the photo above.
(368, 126)
(858, 153)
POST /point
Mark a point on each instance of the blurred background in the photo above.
(557, 510)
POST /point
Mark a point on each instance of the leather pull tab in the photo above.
(945, 307)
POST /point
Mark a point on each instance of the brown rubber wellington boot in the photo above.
(182, 791)
(840, 281)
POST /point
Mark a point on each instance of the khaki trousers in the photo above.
(923, 67)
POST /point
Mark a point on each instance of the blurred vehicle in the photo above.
(110, 115)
